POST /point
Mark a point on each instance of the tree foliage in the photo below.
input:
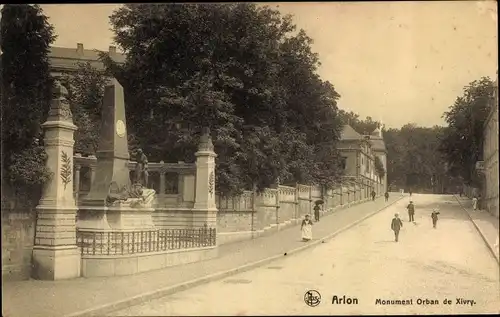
(413, 158)
(379, 167)
(462, 141)
(85, 94)
(365, 127)
(240, 70)
(26, 36)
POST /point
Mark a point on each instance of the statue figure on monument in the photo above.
(141, 174)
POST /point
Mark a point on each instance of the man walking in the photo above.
(434, 216)
(386, 195)
(316, 212)
(411, 211)
(373, 195)
(396, 225)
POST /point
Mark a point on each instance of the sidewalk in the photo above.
(62, 298)
(485, 223)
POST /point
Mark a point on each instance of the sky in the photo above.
(399, 62)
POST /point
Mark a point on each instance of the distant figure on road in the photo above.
(386, 195)
(434, 216)
(316, 212)
(306, 229)
(396, 225)
(410, 192)
(373, 194)
(474, 203)
(402, 192)
(411, 211)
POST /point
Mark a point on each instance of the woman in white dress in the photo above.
(306, 229)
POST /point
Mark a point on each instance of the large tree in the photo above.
(25, 38)
(366, 126)
(414, 160)
(86, 92)
(238, 69)
(462, 143)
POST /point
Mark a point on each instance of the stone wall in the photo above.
(490, 156)
(274, 209)
(17, 243)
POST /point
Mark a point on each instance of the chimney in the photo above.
(112, 49)
(79, 48)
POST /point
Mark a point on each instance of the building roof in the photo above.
(348, 133)
(378, 144)
(66, 58)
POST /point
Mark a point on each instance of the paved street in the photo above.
(56, 298)
(450, 262)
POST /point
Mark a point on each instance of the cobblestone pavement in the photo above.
(61, 298)
(451, 262)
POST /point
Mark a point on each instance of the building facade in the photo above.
(490, 155)
(358, 158)
(65, 60)
(376, 140)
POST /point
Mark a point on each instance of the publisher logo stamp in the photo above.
(312, 298)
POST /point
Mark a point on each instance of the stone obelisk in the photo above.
(112, 154)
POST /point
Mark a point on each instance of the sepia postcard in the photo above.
(245, 159)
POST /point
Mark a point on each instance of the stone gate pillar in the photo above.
(205, 210)
(55, 254)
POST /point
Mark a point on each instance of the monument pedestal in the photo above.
(56, 263)
(55, 254)
(106, 219)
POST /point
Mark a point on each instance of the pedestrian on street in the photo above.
(386, 195)
(396, 226)
(474, 203)
(306, 229)
(434, 216)
(373, 195)
(411, 211)
(316, 212)
(410, 192)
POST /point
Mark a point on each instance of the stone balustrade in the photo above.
(173, 182)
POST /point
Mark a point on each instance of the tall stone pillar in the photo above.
(205, 210)
(55, 254)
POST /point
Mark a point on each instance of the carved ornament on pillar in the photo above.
(211, 184)
(66, 169)
(60, 109)
(205, 141)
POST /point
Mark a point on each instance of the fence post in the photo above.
(162, 180)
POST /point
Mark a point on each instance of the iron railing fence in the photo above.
(121, 243)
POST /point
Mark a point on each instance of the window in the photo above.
(343, 162)
(171, 183)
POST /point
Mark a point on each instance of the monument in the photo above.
(205, 210)
(114, 203)
(55, 254)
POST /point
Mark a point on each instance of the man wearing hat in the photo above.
(411, 211)
(434, 217)
(396, 225)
